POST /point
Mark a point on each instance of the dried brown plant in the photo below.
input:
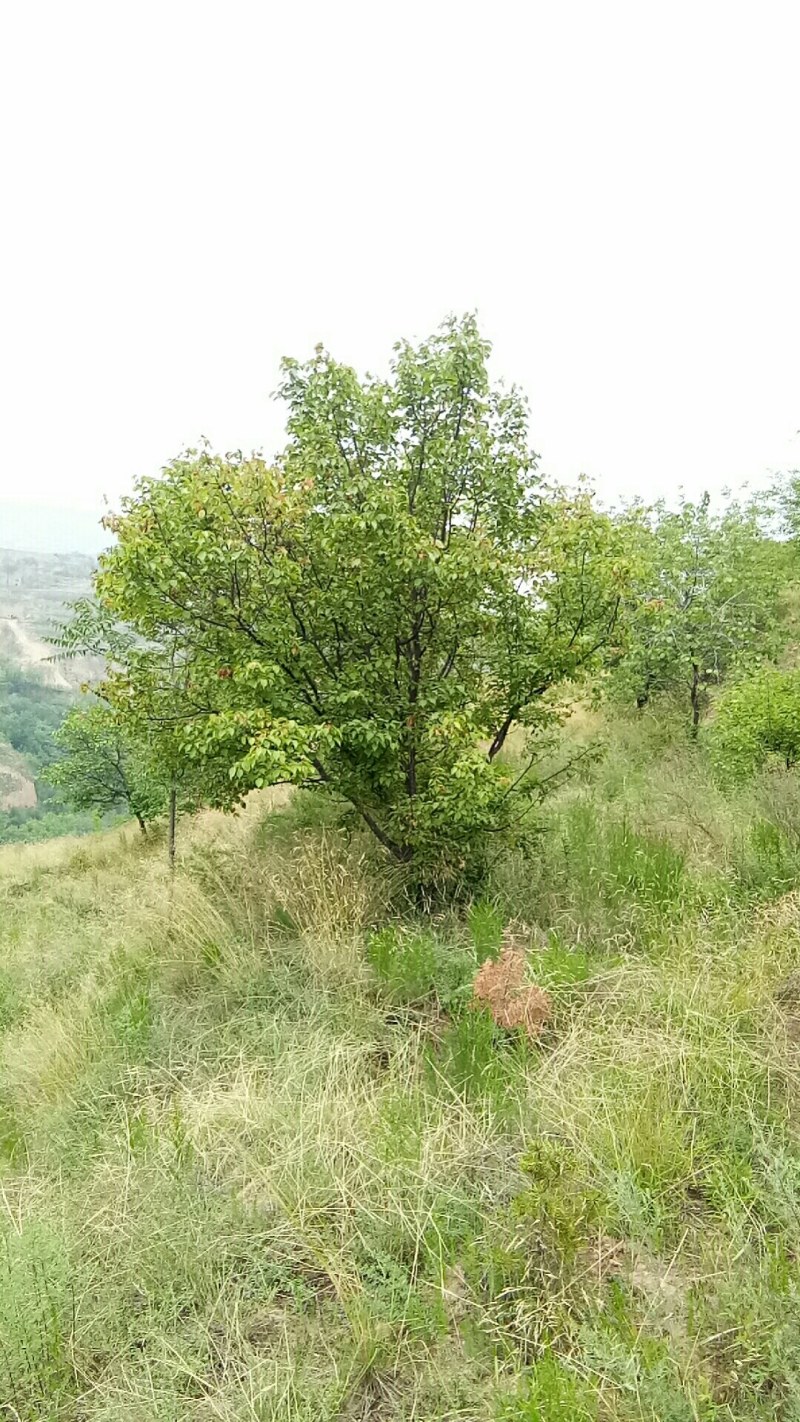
(501, 987)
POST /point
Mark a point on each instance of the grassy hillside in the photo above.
(260, 1159)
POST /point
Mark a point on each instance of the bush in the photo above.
(413, 966)
(757, 722)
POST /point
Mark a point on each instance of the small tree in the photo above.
(104, 767)
(150, 723)
(786, 506)
(704, 602)
(375, 612)
(758, 720)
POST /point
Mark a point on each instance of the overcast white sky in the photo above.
(191, 190)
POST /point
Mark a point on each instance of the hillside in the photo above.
(23, 649)
(259, 1158)
(35, 690)
(31, 709)
(36, 590)
(35, 587)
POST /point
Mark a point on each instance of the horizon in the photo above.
(42, 529)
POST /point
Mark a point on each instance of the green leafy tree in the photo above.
(705, 601)
(757, 720)
(375, 611)
(785, 496)
(30, 712)
(104, 766)
(150, 721)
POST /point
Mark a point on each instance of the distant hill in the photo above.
(35, 592)
(38, 581)
(22, 649)
(36, 589)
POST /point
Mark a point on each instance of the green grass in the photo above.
(260, 1159)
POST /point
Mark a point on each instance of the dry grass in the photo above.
(239, 1182)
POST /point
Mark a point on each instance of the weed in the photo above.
(500, 987)
(550, 1393)
(412, 965)
(486, 925)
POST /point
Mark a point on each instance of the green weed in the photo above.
(551, 1393)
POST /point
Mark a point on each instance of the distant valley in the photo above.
(36, 590)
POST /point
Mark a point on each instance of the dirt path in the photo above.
(31, 653)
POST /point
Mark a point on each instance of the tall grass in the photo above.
(260, 1157)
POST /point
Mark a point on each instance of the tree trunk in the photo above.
(695, 699)
(173, 814)
(142, 825)
(501, 733)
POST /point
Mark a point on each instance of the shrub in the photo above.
(757, 721)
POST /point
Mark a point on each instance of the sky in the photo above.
(190, 191)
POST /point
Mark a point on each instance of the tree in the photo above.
(148, 722)
(104, 767)
(757, 720)
(374, 612)
(785, 495)
(704, 602)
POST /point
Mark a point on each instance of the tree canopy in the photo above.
(758, 720)
(104, 767)
(704, 600)
(373, 611)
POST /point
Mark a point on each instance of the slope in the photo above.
(24, 650)
(261, 1160)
